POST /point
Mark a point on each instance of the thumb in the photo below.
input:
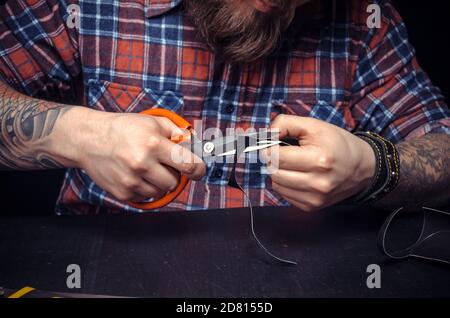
(294, 126)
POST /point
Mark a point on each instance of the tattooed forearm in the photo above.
(425, 174)
(25, 126)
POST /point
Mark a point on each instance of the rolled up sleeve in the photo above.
(391, 94)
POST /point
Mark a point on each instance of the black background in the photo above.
(31, 193)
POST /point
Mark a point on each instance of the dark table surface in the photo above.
(211, 254)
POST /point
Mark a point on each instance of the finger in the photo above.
(289, 193)
(135, 188)
(182, 160)
(294, 126)
(123, 195)
(302, 206)
(168, 128)
(290, 158)
(145, 191)
(164, 178)
(299, 181)
(305, 200)
(304, 197)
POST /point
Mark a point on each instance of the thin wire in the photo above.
(255, 237)
(235, 184)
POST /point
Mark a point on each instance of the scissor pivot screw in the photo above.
(208, 147)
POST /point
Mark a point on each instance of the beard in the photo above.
(236, 31)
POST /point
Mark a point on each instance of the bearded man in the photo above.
(75, 74)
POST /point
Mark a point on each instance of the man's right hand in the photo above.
(127, 155)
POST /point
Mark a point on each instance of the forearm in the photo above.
(424, 174)
(29, 139)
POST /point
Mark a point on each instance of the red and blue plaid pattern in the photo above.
(130, 55)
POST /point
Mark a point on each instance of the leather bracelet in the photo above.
(393, 160)
(387, 173)
(378, 170)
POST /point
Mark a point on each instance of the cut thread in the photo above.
(255, 237)
(233, 183)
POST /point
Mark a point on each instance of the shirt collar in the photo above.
(158, 7)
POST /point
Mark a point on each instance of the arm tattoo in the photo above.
(25, 125)
(425, 174)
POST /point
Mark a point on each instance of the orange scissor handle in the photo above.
(183, 124)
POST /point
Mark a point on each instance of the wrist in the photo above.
(75, 133)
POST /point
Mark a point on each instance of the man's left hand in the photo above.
(330, 165)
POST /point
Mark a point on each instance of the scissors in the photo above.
(220, 147)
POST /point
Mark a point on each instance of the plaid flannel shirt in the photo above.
(130, 55)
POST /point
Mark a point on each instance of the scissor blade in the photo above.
(263, 144)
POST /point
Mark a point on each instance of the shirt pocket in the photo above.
(123, 98)
(338, 113)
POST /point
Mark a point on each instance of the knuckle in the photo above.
(124, 157)
(325, 186)
(307, 209)
(170, 185)
(275, 178)
(189, 168)
(325, 161)
(283, 117)
(162, 122)
(137, 163)
(278, 120)
(130, 183)
(123, 196)
(317, 203)
(153, 143)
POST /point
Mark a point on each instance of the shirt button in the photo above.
(218, 173)
(229, 109)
